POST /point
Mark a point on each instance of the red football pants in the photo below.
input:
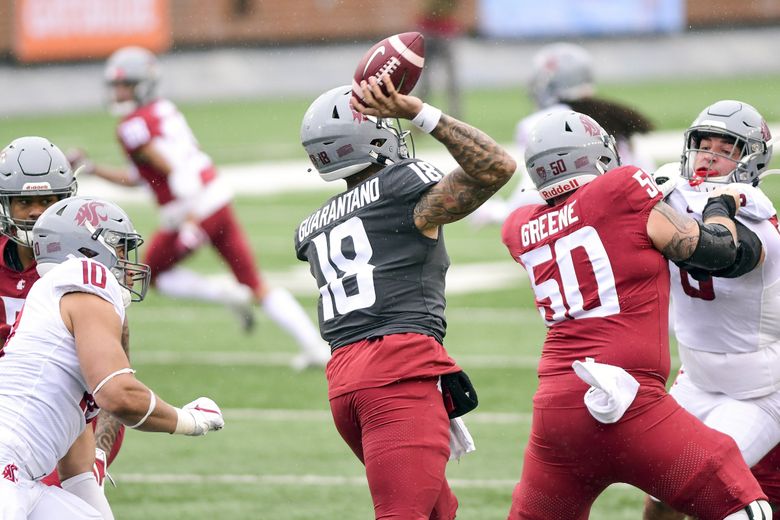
(227, 237)
(657, 446)
(401, 434)
(767, 472)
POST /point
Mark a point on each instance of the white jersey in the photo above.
(728, 329)
(44, 401)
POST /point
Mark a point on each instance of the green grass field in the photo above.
(279, 456)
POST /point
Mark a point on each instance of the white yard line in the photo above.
(273, 359)
(300, 480)
(292, 415)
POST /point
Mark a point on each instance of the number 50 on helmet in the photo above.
(567, 150)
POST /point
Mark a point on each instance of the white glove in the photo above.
(199, 417)
(667, 177)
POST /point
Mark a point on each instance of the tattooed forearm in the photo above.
(484, 167)
(480, 157)
(685, 238)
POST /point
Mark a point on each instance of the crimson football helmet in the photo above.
(29, 167)
(341, 141)
(566, 150)
(733, 122)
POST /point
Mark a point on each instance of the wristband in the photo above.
(427, 119)
(185, 422)
(722, 206)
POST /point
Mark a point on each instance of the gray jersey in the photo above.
(376, 273)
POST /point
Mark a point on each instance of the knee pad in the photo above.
(756, 510)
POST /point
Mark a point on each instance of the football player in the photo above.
(195, 204)
(562, 79)
(68, 334)
(378, 256)
(34, 174)
(727, 329)
(596, 253)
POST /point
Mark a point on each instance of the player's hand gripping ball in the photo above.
(400, 56)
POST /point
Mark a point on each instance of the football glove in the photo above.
(666, 177)
(199, 417)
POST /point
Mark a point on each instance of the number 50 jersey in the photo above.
(600, 285)
(376, 273)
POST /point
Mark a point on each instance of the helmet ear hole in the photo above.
(378, 142)
(89, 253)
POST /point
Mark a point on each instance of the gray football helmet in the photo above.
(736, 122)
(561, 71)
(566, 150)
(92, 228)
(341, 141)
(135, 66)
(31, 166)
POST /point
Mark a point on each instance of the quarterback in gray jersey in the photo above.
(377, 254)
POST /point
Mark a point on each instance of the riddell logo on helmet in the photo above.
(93, 212)
(559, 189)
(36, 186)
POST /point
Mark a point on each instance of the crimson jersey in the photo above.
(14, 285)
(601, 287)
(162, 122)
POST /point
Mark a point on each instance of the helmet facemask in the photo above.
(31, 166)
(97, 229)
(20, 230)
(728, 142)
(128, 271)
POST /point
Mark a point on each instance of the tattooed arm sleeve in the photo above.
(483, 167)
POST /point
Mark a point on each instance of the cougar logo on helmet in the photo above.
(590, 126)
(94, 212)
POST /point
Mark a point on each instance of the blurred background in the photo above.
(243, 73)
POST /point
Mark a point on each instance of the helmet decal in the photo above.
(93, 212)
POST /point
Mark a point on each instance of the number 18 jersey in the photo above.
(600, 285)
(376, 273)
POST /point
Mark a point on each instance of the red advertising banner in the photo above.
(53, 30)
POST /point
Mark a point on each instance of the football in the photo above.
(401, 56)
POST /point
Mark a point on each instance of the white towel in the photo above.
(611, 392)
(461, 442)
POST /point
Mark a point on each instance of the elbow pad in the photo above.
(714, 251)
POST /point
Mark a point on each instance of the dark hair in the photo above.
(617, 119)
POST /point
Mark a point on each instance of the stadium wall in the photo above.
(262, 22)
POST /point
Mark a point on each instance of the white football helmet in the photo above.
(734, 122)
(137, 67)
(341, 141)
(31, 166)
(91, 228)
(560, 72)
(567, 150)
